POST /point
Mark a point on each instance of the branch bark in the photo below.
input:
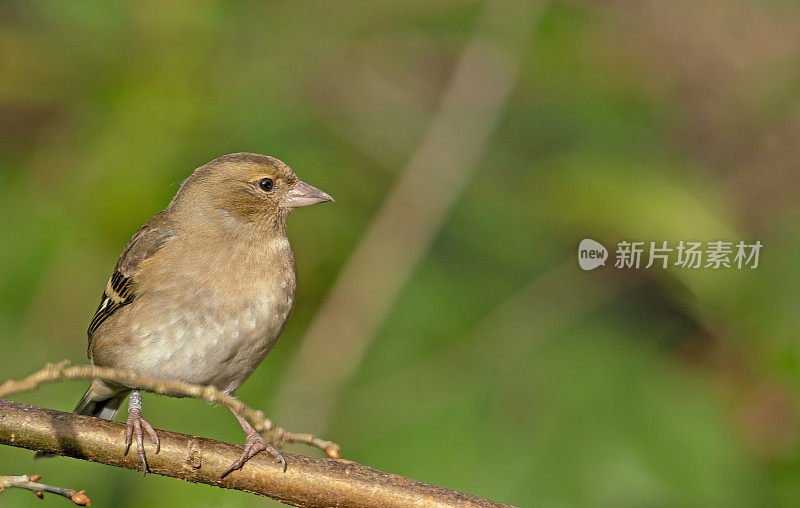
(308, 481)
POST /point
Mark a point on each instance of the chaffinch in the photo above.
(202, 291)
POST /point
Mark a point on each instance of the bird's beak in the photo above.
(302, 194)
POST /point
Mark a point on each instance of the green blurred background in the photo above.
(500, 368)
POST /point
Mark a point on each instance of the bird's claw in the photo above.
(133, 427)
(253, 445)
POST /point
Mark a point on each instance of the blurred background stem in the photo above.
(411, 214)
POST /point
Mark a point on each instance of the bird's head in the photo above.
(243, 189)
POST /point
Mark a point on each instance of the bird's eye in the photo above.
(265, 184)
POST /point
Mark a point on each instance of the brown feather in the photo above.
(120, 290)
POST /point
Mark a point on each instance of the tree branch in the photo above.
(308, 481)
(63, 371)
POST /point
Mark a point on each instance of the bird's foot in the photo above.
(133, 427)
(253, 445)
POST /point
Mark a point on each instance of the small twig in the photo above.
(26, 482)
(63, 371)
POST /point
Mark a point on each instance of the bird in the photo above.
(201, 292)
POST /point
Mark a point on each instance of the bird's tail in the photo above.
(100, 401)
(103, 408)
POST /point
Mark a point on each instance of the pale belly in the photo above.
(195, 342)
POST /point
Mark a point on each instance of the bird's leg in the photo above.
(134, 426)
(253, 444)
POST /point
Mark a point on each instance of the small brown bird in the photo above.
(202, 291)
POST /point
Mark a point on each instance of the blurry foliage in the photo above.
(651, 121)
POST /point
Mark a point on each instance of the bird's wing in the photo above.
(120, 290)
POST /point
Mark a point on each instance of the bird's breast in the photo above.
(219, 330)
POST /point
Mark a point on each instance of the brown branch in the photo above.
(308, 481)
(62, 371)
(26, 482)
